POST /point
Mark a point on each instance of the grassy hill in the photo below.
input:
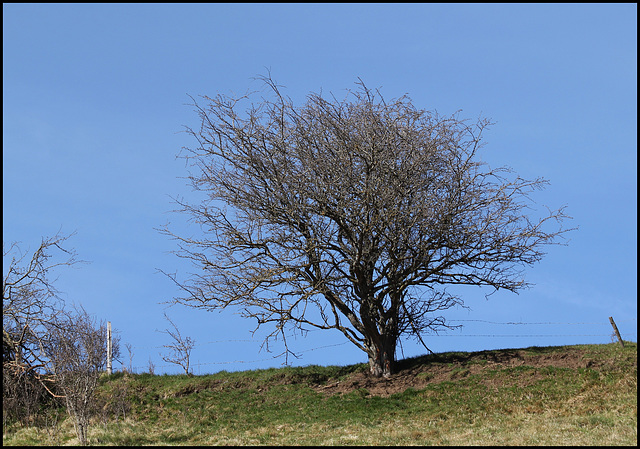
(564, 395)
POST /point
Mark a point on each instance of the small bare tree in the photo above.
(129, 347)
(152, 367)
(180, 347)
(351, 215)
(77, 351)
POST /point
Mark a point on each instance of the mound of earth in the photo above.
(419, 372)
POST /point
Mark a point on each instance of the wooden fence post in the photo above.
(109, 347)
(615, 329)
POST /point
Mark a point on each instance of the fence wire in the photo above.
(442, 334)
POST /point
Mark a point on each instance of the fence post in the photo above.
(615, 329)
(109, 347)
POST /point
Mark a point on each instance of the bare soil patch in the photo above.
(419, 372)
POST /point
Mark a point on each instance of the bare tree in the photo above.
(77, 351)
(351, 215)
(180, 347)
(130, 351)
(30, 302)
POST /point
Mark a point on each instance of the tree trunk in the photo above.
(382, 356)
(80, 416)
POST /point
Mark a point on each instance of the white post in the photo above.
(109, 347)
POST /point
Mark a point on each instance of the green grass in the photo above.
(465, 399)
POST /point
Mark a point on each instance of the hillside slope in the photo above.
(574, 395)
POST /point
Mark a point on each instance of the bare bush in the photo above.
(152, 367)
(129, 347)
(77, 351)
(30, 302)
(180, 347)
(49, 353)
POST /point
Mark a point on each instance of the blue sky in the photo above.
(95, 99)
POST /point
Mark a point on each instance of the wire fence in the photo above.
(517, 323)
(625, 335)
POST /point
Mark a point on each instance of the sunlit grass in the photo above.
(498, 405)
